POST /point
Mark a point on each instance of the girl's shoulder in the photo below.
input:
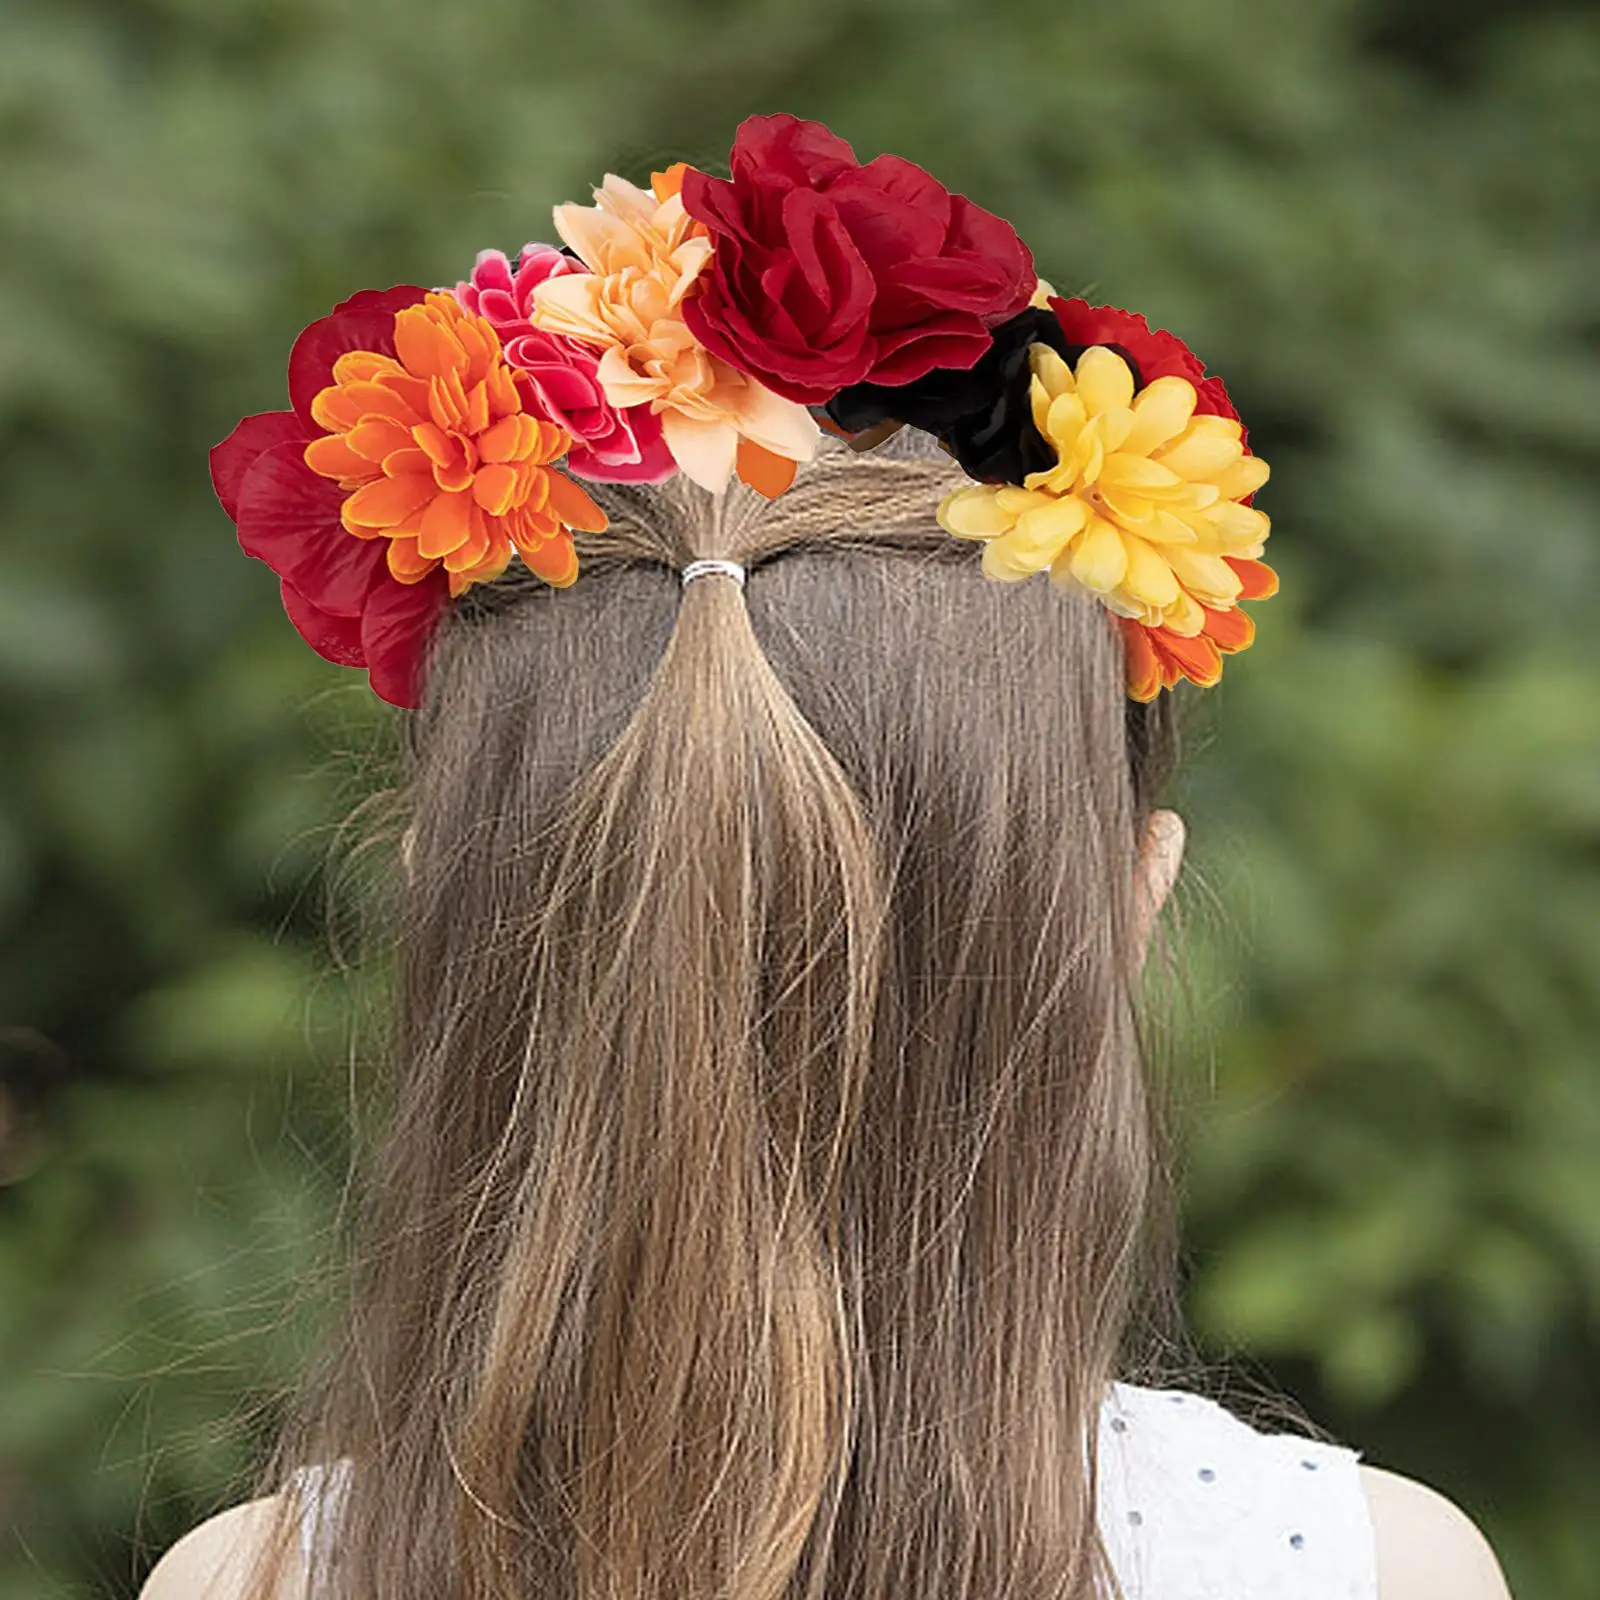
(1195, 1504)
(216, 1559)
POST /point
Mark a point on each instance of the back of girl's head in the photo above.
(771, 1188)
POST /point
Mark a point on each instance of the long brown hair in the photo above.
(771, 1183)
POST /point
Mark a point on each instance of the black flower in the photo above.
(981, 414)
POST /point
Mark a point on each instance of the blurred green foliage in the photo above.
(1377, 220)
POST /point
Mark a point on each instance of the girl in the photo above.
(773, 1198)
(772, 1203)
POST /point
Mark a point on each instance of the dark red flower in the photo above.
(1153, 353)
(982, 414)
(828, 273)
(336, 589)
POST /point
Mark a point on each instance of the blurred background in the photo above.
(1377, 219)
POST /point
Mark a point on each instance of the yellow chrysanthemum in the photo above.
(1142, 506)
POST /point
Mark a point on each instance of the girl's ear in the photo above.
(1160, 852)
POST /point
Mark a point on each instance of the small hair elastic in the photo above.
(712, 566)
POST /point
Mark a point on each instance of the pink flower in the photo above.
(612, 443)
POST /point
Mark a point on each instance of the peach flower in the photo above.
(644, 253)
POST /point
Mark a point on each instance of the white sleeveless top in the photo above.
(1194, 1505)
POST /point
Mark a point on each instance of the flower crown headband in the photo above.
(714, 327)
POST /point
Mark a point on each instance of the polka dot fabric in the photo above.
(1194, 1505)
(1197, 1505)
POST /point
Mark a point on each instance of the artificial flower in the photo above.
(410, 434)
(829, 273)
(1151, 353)
(644, 253)
(610, 443)
(981, 414)
(1157, 657)
(1144, 505)
(438, 454)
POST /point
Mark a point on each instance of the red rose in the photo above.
(828, 273)
(336, 589)
(1156, 354)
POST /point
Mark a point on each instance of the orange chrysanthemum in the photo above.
(1157, 657)
(441, 459)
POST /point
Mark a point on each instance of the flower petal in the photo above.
(1208, 577)
(1149, 579)
(706, 451)
(405, 563)
(477, 548)
(1050, 371)
(334, 638)
(1239, 530)
(1243, 478)
(594, 236)
(408, 463)
(571, 306)
(427, 348)
(1099, 560)
(1104, 381)
(1161, 411)
(494, 487)
(1016, 499)
(554, 559)
(1045, 529)
(1165, 528)
(664, 185)
(768, 420)
(1184, 616)
(388, 502)
(1208, 446)
(997, 564)
(1142, 668)
(395, 629)
(768, 473)
(623, 385)
(1144, 477)
(289, 518)
(974, 513)
(331, 457)
(377, 437)
(509, 439)
(234, 457)
(1231, 630)
(572, 504)
(1197, 657)
(445, 524)
(363, 322)
(1258, 580)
